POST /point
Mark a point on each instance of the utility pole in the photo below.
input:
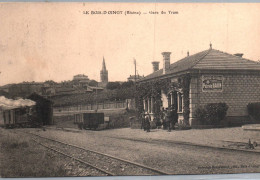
(135, 72)
(135, 95)
(96, 98)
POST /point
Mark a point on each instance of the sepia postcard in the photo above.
(129, 89)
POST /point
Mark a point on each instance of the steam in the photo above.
(6, 103)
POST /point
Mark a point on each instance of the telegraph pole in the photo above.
(96, 98)
(135, 72)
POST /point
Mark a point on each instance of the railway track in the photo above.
(76, 159)
(106, 164)
(189, 145)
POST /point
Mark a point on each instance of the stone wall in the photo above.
(238, 90)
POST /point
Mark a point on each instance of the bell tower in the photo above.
(104, 74)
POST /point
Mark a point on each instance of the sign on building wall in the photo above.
(212, 83)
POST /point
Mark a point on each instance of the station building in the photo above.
(215, 77)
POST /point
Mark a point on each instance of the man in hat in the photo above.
(147, 123)
(168, 119)
(165, 119)
(142, 116)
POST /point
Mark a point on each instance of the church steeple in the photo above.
(104, 65)
(104, 74)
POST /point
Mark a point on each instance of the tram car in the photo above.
(88, 120)
(21, 117)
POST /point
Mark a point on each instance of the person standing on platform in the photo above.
(174, 117)
(162, 117)
(147, 123)
(143, 121)
(165, 118)
(168, 120)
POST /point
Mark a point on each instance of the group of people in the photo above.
(167, 119)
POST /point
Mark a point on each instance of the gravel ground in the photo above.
(211, 137)
(236, 138)
(169, 157)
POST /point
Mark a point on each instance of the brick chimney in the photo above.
(239, 54)
(166, 61)
(155, 65)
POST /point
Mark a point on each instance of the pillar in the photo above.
(172, 101)
(149, 105)
(144, 104)
(152, 105)
(193, 96)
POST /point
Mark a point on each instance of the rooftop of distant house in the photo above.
(137, 76)
(80, 75)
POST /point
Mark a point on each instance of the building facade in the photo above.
(214, 77)
(81, 80)
(80, 77)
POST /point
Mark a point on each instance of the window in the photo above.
(150, 105)
(169, 100)
(180, 99)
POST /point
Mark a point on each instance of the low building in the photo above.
(80, 77)
(94, 89)
(210, 76)
(80, 80)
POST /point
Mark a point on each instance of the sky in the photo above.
(55, 41)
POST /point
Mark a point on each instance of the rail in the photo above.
(79, 160)
(106, 155)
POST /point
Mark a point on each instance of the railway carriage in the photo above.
(88, 120)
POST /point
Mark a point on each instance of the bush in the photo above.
(254, 110)
(200, 113)
(211, 114)
(121, 120)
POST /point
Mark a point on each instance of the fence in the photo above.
(85, 107)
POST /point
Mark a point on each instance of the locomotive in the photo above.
(21, 117)
(32, 112)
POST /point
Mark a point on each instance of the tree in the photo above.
(50, 82)
(127, 84)
(93, 83)
(113, 85)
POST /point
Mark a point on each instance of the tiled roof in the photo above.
(220, 60)
(210, 59)
(64, 89)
